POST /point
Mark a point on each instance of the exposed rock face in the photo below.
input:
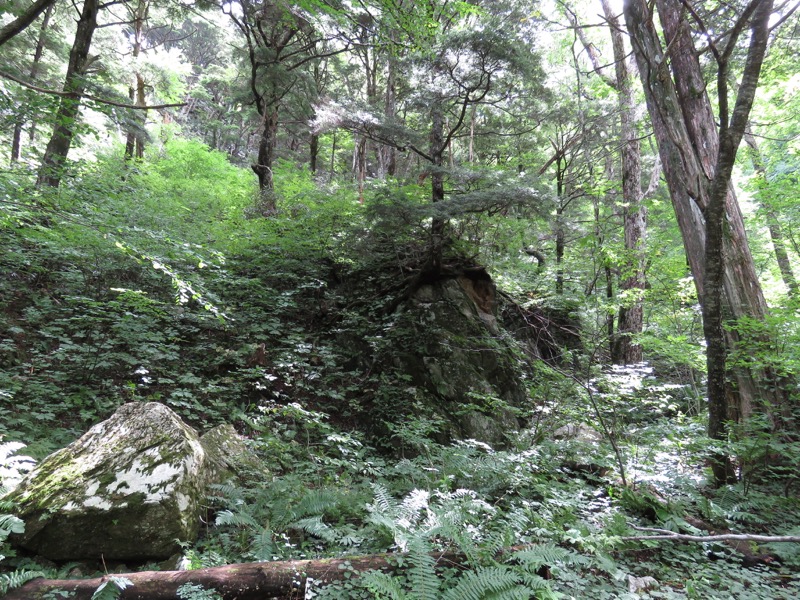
(126, 490)
(461, 358)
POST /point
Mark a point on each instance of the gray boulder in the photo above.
(129, 489)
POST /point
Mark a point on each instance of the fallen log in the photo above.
(246, 581)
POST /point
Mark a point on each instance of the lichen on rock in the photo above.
(129, 489)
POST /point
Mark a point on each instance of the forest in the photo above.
(497, 298)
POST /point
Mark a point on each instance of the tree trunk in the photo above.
(266, 156)
(361, 166)
(249, 581)
(560, 237)
(773, 224)
(730, 137)
(688, 143)
(16, 139)
(74, 84)
(134, 143)
(625, 350)
(313, 153)
(389, 153)
(437, 148)
(26, 18)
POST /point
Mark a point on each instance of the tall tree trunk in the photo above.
(437, 149)
(266, 156)
(16, 139)
(313, 153)
(389, 153)
(773, 224)
(74, 85)
(560, 237)
(135, 141)
(698, 175)
(625, 350)
(361, 166)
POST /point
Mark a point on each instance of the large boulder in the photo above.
(129, 489)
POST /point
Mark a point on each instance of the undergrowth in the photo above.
(287, 327)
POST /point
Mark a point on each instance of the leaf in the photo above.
(111, 589)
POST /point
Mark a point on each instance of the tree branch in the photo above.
(665, 534)
(40, 90)
(19, 24)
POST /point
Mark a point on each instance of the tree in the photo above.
(697, 159)
(32, 74)
(459, 56)
(74, 86)
(279, 40)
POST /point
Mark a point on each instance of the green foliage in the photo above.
(191, 591)
(112, 588)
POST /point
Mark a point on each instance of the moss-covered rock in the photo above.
(463, 360)
(227, 455)
(129, 489)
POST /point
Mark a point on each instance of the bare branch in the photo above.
(41, 90)
(665, 534)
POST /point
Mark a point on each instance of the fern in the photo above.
(422, 575)
(540, 555)
(316, 527)
(498, 582)
(10, 581)
(382, 584)
(262, 545)
(111, 589)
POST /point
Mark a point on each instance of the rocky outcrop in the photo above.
(461, 358)
(129, 489)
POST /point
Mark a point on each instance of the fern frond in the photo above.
(483, 582)
(316, 502)
(425, 583)
(540, 555)
(111, 589)
(534, 581)
(383, 503)
(10, 524)
(262, 545)
(10, 581)
(318, 528)
(382, 585)
(237, 519)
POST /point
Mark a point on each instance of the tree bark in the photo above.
(437, 149)
(630, 322)
(74, 84)
(16, 138)
(248, 581)
(773, 224)
(688, 142)
(135, 140)
(730, 137)
(19, 24)
(16, 145)
(313, 153)
(266, 156)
